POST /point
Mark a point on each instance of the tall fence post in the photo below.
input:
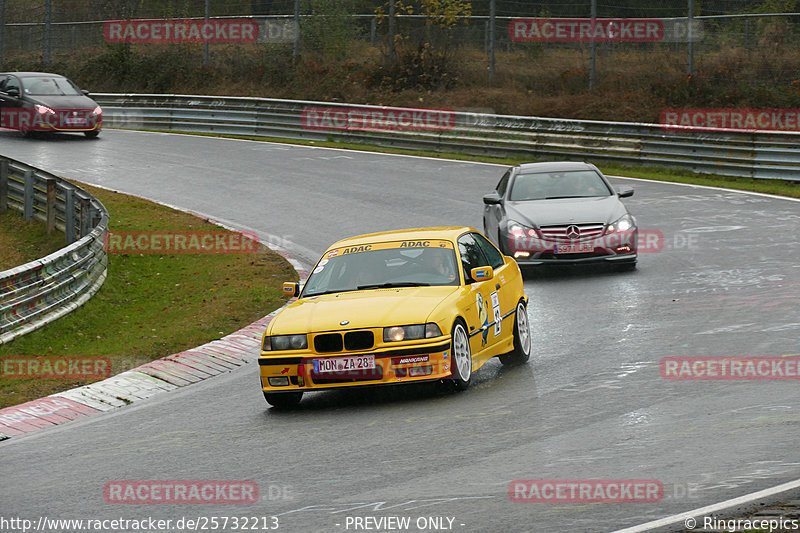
(51, 204)
(296, 51)
(48, 21)
(3, 184)
(205, 44)
(2, 28)
(27, 211)
(391, 33)
(690, 38)
(492, 20)
(69, 215)
(593, 48)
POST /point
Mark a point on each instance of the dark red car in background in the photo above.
(42, 102)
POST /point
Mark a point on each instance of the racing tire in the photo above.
(522, 339)
(91, 134)
(283, 400)
(461, 360)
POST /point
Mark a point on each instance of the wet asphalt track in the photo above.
(590, 404)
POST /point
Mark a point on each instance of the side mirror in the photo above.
(13, 92)
(482, 273)
(85, 93)
(625, 192)
(492, 199)
(291, 289)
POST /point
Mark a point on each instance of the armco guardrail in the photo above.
(733, 153)
(36, 293)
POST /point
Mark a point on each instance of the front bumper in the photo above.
(610, 248)
(409, 363)
(577, 259)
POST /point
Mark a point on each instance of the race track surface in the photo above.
(590, 404)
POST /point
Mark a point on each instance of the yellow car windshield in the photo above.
(384, 265)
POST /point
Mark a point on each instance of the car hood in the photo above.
(603, 210)
(362, 309)
(63, 102)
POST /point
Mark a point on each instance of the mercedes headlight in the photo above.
(622, 224)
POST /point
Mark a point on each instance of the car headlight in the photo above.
(43, 110)
(97, 111)
(623, 223)
(515, 228)
(285, 342)
(412, 332)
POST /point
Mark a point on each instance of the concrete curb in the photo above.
(146, 381)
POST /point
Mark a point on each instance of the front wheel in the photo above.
(92, 134)
(522, 339)
(283, 400)
(462, 357)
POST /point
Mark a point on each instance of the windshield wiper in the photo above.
(560, 197)
(332, 291)
(391, 285)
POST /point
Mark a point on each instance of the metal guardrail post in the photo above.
(51, 204)
(3, 185)
(27, 213)
(85, 215)
(69, 215)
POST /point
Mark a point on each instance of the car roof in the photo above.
(31, 74)
(550, 166)
(449, 233)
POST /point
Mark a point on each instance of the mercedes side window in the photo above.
(471, 255)
(502, 185)
(493, 256)
(11, 83)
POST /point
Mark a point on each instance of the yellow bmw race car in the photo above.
(397, 307)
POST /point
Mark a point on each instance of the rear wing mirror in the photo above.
(625, 192)
(484, 273)
(291, 289)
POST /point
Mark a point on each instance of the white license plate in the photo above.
(579, 248)
(75, 121)
(344, 364)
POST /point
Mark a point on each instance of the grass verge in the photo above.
(152, 305)
(22, 241)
